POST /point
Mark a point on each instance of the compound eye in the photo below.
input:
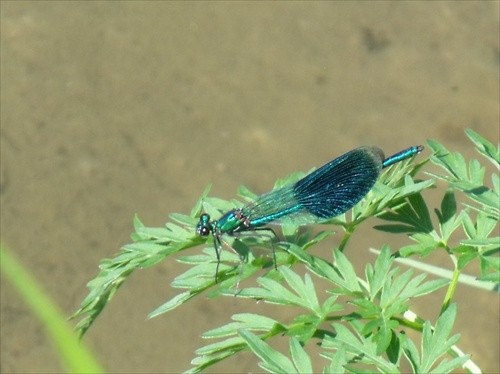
(203, 228)
(204, 232)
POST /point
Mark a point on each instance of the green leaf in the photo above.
(485, 225)
(273, 361)
(247, 321)
(411, 217)
(436, 343)
(245, 193)
(411, 352)
(359, 348)
(446, 366)
(305, 289)
(184, 219)
(427, 243)
(484, 147)
(376, 276)
(384, 335)
(338, 361)
(349, 279)
(395, 349)
(452, 163)
(446, 216)
(393, 287)
(171, 304)
(198, 207)
(301, 359)
(137, 222)
(273, 292)
(74, 356)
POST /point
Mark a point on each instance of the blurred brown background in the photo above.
(116, 108)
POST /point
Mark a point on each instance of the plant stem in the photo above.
(348, 232)
(451, 288)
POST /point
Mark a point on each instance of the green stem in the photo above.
(348, 232)
(451, 288)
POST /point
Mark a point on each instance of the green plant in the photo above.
(74, 357)
(367, 339)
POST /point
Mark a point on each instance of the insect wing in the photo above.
(325, 193)
(339, 185)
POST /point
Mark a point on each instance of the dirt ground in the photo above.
(115, 108)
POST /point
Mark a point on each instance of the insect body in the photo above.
(321, 195)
